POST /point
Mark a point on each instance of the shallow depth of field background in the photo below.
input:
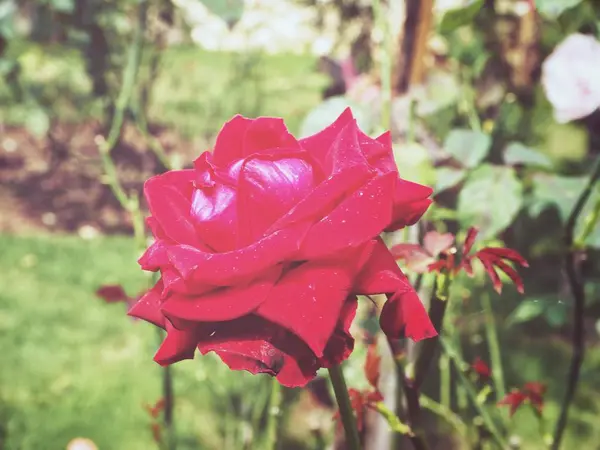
(73, 366)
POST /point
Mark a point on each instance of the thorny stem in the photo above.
(346, 414)
(576, 285)
(472, 393)
(273, 414)
(494, 347)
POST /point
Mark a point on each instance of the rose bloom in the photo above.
(571, 77)
(264, 245)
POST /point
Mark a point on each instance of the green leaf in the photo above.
(518, 153)
(37, 121)
(414, 163)
(230, 11)
(562, 192)
(526, 311)
(447, 177)
(490, 199)
(552, 9)
(455, 18)
(467, 147)
(325, 113)
(556, 314)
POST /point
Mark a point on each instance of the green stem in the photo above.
(385, 64)
(447, 414)
(273, 414)
(472, 393)
(346, 413)
(445, 381)
(494, 347)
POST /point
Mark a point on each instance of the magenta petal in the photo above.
(215, 213)
(313, 293)
(229, 145)
(269, 186)
(359, 218)
(171, 208)
(403, 315)
(223, 269)
(324, 197)
(178, 345)
(378, 152)
(318, 144)
(155, 256)
(221, 304)
(148, 306)
(257, 346)
(340, 345)
(266, 133)
(381, 274)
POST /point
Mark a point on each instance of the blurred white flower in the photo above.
(571, 77)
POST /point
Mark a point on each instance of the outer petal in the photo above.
(318, 144)
(155, 256)
(341, 343)
(229, 145)
(148, 306)
(224, 269)
(258, 346)
(169, 199)
(357, 219)
(378, 152)
(220, 304)
(269, 186)
(308, 299)
(411, 200)
(178, 345)
(265, 133)
(403, 314)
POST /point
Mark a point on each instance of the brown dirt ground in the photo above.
(54, 184)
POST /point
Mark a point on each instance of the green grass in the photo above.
(73, 366)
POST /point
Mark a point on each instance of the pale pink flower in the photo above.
(571, 77)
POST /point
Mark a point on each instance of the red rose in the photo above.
(265, 244)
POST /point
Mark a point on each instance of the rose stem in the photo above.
(347, 415)
(493, 346)
(273, 413)
(576, 284)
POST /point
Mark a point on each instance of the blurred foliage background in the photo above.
(457, 82)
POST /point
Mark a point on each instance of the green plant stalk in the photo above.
(153, 142)
(338, 382)
(472, 393)
(447, 414)
(445, 381)
(590, 222)
(577, 287)
(494, 347)
(385, 64)
(273, 414)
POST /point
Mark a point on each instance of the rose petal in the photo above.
(318, 144)
(155, 256)
(357, 219)
(148, 306)
(224, 269)
(341, 343)
(378, 152)
(171, 207)
(410, 203)
(403, 315)
(258, 346)
(268, 188)
(221, 304)
(178, 345)
(324, 197)
(313, 292)
(265, 133)
(229, 144)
